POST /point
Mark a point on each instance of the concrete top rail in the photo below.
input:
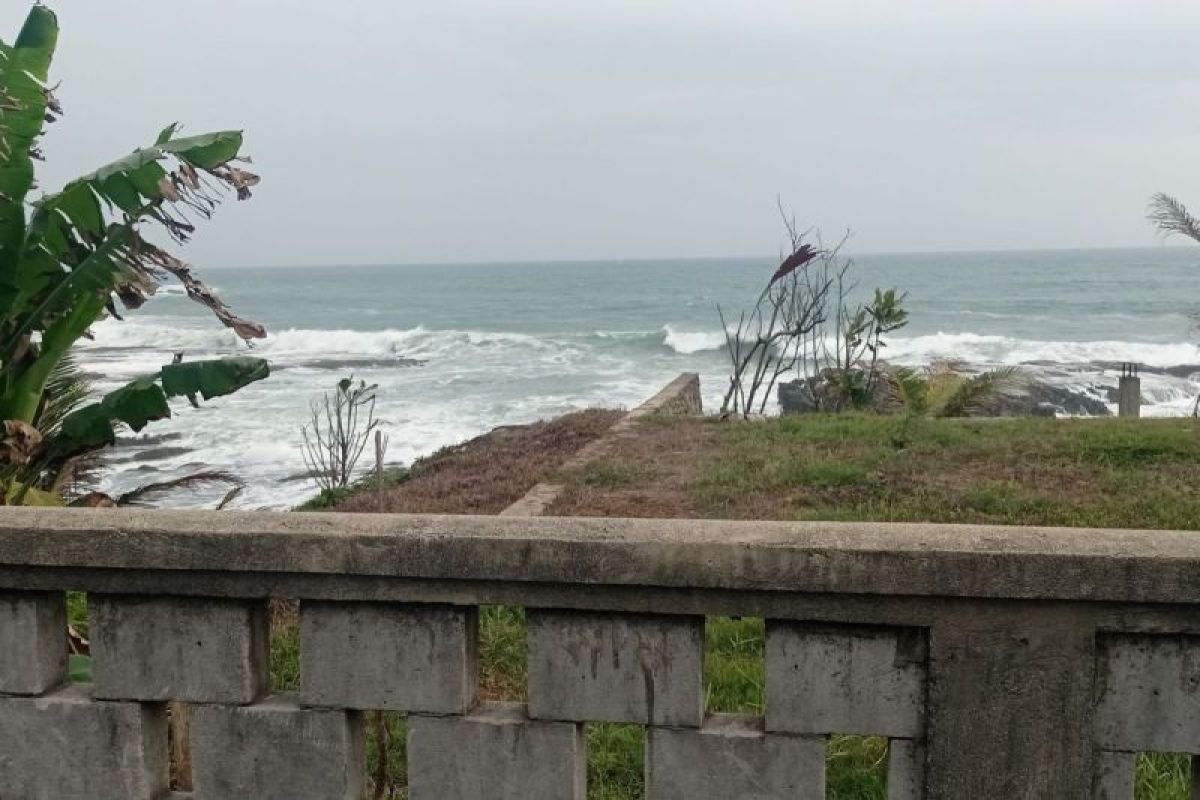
(841, 558)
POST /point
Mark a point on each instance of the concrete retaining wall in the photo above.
(999, 663)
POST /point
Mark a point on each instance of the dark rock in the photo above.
(796, 397)
(1044, 400)
(160, 453)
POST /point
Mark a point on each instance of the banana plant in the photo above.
(68, 258)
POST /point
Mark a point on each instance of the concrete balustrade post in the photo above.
(66, 746)
(496, 752)
(845, 679)
(906, 770)
(274, 750)
(731, 756)
(33, 642)
(1115, 774)
(1149, 693)
(1009, 711)
(178, 648)
(411, 657)
(638, 668)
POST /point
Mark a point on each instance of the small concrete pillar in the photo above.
(1129, 392)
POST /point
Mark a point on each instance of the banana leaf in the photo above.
(24, 68)
(144, 400)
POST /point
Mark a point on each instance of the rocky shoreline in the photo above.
(1050, 389)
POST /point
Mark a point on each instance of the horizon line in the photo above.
(1162, 245)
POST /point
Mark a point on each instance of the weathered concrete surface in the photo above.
(495, 753)
(906, 770)
(419, 658)
(63, 746)
(845, 558)
(1009, 709)
(534, 502)
(731, 757)
(823, 680)
(680, 397)
(1115, 773)
(1148, 692)
(274, 750)
(33, 642)
(643, 669)
(176, 648)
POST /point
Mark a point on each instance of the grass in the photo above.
(1163, 776)
(860, 467)
(369, 483)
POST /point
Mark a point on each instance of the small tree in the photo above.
(341, 423)
(803, 322)
(767, 341)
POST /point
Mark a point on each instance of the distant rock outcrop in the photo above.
(1033, 399)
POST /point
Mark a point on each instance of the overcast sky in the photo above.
(398, 131)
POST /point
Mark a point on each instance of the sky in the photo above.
(425, 131)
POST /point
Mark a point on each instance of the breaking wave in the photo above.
(686, 343)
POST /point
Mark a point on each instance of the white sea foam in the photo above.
(984, 349)
(298, 344)
(690, 342)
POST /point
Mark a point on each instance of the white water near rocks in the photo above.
(458, 350)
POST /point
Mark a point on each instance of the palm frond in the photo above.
(972, 395)
(144, 495)
(67, 390)
(1171, 217)
(908, 389)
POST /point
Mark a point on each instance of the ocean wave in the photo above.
(300, 345)
(687, 343)
(303, 345)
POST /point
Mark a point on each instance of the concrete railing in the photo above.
(1000, 663)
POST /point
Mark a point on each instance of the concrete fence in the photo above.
(1000, 663)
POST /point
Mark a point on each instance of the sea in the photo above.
(457, 350)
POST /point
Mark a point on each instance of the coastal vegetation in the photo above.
(804, 339)
(803, 323)
(340, 425)
(68, 258)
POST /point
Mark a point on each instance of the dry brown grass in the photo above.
(647, 475)
(490, 472)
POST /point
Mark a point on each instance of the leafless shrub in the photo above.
(803, 322)
(770, 340)
(341, 424)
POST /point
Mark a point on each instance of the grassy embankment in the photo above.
(1080, 473)
(1106, 473)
